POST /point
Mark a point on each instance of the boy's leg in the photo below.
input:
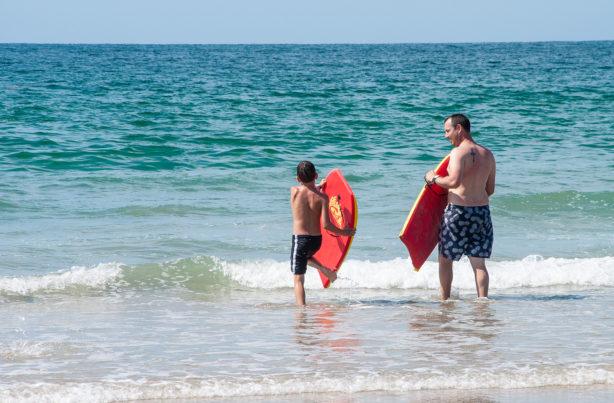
(299, 288)
(331, 275)
(445, 276)
(481, 275)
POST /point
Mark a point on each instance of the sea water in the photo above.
(145, 223)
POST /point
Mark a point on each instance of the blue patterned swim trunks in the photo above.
(465, 231)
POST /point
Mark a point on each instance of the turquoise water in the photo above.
(146, 220)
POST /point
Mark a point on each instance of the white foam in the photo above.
(288, 385)
(22, 350)
(535, 271)
(96, 276)
(532, 271)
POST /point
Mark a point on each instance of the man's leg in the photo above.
(299, 288)
(331, 275)
(445, 276)
(481, 275)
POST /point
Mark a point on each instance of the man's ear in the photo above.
(316, 176)
(297, 179)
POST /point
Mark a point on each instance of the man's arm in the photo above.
(490, 183)
(329, 226)
(455, 172)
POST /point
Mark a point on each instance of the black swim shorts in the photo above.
(303, 248)
(465, 231)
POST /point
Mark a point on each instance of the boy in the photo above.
(309, 208)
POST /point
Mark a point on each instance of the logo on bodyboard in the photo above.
(335, 210)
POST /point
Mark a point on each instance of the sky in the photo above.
(303, 21)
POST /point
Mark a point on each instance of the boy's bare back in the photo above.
(307, 204)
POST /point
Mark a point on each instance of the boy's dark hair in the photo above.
(305, 171)
(460, 119)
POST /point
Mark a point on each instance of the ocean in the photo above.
(146, 223)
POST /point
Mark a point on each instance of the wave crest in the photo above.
(206, 273)
(78, 276)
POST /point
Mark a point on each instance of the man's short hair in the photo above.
(305, 171)
(459, 119)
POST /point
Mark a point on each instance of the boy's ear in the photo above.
(297, 179)
(316, 176)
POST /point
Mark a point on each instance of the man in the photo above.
(466, 226)
(309, 208)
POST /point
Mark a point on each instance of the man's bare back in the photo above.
(475, 165)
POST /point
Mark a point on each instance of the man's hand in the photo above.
(429, 176)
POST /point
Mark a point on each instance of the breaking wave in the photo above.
(207, 273)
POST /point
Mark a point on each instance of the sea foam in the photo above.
(532, 271)
(346, 383)
(77, 276)
(201, 272)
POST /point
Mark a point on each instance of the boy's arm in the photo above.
(329, 226)
(292, 195)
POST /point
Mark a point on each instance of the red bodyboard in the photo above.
(342, 210)
(421, 230)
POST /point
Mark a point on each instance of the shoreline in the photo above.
(594, 393)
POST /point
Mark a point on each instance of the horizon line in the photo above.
(300, 43)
